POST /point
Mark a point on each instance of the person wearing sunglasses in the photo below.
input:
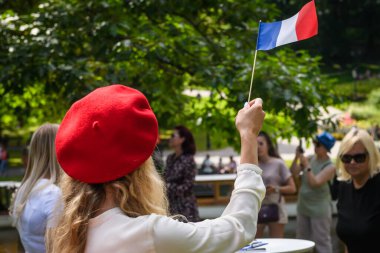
(314, 205)
(358, 204)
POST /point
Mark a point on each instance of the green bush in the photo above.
(363, 111)
(357, 90)
(374, 98)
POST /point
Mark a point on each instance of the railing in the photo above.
(216, 189)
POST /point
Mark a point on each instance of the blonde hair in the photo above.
(352, 137)
(42, 163)
(139, 193)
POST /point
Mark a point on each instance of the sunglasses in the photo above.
(317, 144)
(260, 143)
(174, 135)
(358, 158)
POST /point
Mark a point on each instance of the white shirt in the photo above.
(113, 231)
(39, 213)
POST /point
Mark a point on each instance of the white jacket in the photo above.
(113, 231)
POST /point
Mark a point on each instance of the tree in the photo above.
(65, 49)
(349, 33)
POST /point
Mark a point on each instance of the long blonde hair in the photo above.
(139, 193)
(42, 163)
(352, 137)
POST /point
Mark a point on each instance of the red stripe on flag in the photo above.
(307, 22)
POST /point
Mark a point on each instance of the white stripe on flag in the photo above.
(288, 31)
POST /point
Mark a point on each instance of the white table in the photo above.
(283, 245)
(10, 184)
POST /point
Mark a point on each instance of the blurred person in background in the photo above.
(4, 156)
(278, 181)
(37, 201)
(314, 204)
(180, 174)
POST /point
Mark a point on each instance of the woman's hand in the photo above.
(271, 189)
(304, 162)
(299, 152)
(249, 120)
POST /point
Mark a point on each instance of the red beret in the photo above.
(107, 134)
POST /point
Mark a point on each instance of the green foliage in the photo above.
(367, 113)
(374, 98)
(362, 111)
(15, 162)
(11, 178)
(357, 90)
(54, 52)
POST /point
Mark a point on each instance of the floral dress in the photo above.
(179, 176)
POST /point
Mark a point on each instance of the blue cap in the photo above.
(326, 139)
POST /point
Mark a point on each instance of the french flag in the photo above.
(301, 26)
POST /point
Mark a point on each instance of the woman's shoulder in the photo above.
(48, 188)
(187, 157)
(163, 222)
(277, 161)
(377, 175)
(376, 178)
(119, 221)
(171, 156)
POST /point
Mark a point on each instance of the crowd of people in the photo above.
(208, 167)
(77, 197)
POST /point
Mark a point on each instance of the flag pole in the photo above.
(253, 73)
(254, 65)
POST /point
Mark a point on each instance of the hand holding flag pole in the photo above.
(301, 26)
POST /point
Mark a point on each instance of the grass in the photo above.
(12, 178)
(356, 90)
(14, 162)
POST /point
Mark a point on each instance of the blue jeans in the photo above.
(3, 166)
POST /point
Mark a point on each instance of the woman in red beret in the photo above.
(115, 201)
(180, 174)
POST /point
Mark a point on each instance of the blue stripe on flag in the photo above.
(268, 33)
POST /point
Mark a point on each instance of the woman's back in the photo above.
(114, 231)
(35, 201)
(38, 214)
(132, 234)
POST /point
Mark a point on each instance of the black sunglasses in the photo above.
(358, 158)
(317, 144)
(174, 135)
